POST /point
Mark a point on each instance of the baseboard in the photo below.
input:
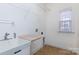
(57, 46)
(76, 50)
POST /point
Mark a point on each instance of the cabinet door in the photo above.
(25, 51)
(21, 50)
(36, 45)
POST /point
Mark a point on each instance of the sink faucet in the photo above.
(14, 35)
(6, 36)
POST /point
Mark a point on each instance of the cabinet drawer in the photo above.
(18, 50)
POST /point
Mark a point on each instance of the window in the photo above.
(65, 21)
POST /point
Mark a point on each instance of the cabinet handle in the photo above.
(17, 52)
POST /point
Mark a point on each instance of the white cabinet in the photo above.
(36, 45)
(21, 50)
(25, 51)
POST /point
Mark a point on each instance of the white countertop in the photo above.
(12, 43)
(31, 37)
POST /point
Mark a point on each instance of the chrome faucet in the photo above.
(6, 36)
(14, 35)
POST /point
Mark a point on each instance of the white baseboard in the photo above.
(74, 50)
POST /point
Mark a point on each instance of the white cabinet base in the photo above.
(21, 50)
(36, 45)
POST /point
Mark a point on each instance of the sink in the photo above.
(8, 45)
(5, 40)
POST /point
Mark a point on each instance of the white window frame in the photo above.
(65, 20)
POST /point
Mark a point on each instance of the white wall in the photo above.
(27, 18)
(62, 40)
(8, 12)
(45, 17)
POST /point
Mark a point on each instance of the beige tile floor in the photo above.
(48, 50)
